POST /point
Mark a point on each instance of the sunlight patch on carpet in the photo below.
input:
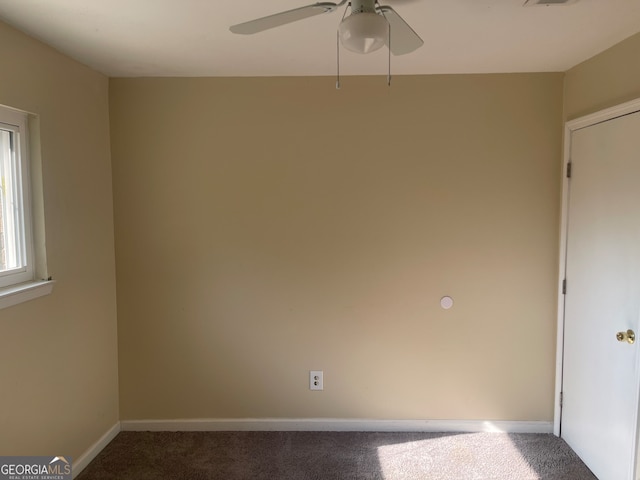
(471, 456)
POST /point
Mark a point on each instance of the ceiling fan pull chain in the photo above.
(338, 45)
(338, 60)
(389, 51)
(381, 10)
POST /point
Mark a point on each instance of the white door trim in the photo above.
(570, 127)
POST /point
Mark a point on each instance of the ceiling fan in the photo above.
(368, 27)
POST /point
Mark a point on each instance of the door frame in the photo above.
(570, 127)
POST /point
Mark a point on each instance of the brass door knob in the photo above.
(629, 336)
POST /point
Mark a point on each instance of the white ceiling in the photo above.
(192, 38)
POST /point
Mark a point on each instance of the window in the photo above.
(17, 256)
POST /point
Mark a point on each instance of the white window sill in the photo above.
(24, 292)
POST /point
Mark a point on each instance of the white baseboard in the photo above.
(93, 451)
(333, 425)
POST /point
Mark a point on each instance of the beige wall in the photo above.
(606, 80)
(266, 227)
(58, 359)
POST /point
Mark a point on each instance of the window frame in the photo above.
(16, 122)
(33, 280)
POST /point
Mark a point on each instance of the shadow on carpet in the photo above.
(335, 456)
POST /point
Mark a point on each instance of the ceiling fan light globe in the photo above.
(363, 32)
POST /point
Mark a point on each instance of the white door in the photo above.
(601, 376)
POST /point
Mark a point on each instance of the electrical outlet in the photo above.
(316, 380)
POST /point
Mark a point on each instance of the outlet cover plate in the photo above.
(316, 380)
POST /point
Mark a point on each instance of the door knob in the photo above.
(629, 336)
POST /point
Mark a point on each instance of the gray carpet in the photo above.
(335, 456)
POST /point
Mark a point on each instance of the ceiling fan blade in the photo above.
(403, 38)
(282, 18)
